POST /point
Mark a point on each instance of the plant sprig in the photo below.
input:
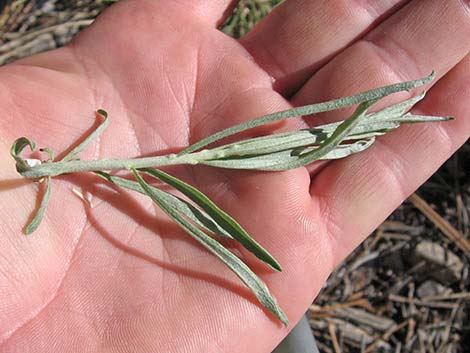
(200, 217)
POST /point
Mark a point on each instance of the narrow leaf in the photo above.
(272, 160)
(270, 143)
(393, 111)
(345, 150)
(49, 152)
(197, 216)
(254, 162)
(248, 277)
(19, 145)
(375, 123)
(334, 104)
(31, 227)
(412, 118)
(222, 218)
(97, 132)
(17, 148)
(341, 132)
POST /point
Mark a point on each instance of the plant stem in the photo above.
(65, 167)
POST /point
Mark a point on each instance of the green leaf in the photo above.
(270, 144)
(380, 122)
(199, 217)
(19, 145)
(248, 277)
(345, 150)
(36, 221)
(393, 111)
(277, 151)
(334, 104)
(341, 132)
(272, 160)
(49, 152)
(95, 134)
(220, 217)
(17, 148)
(412, 118)
(373, 124)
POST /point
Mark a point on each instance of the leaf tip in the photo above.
(276, 265)
(283, 318)
(15, 151)
(49, 152)
(102, 112)
(30, 228)
(19, 145)
(428, 78)
(36, 221)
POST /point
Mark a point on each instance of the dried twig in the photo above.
(385, 336)
(453, 234)
(441, 305)
(11, 45)
(334, 339)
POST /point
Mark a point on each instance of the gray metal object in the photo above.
(299, 340)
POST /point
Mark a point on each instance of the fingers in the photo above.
(421, 37)
(357, 193)
(409, 45)
(299, 36)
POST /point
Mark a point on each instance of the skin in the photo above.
(121, 277)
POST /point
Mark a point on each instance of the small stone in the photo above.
(441, 264)
(48, 6)
(362, 317)
(431, 288)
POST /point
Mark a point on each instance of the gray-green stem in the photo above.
(74, 166)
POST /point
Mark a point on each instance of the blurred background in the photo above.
(405, 289)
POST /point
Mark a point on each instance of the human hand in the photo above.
(118, 276)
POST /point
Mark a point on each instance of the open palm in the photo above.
(119, 276)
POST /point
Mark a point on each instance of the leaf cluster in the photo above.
(196, 214)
